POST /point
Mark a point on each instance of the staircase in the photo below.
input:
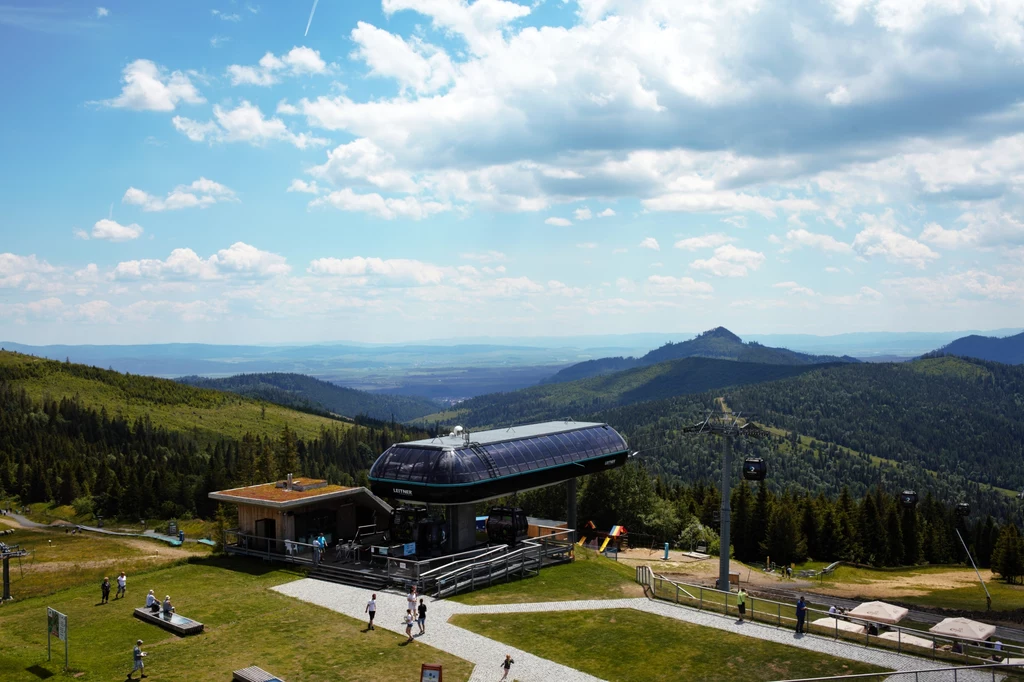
(348, 576)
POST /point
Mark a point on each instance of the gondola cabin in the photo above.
(507, 526)
(754, 469)
(908, 499)
(963, 509)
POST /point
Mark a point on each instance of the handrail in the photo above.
(505, 557)
(1007, 648)
(892, 673)
(500, 548)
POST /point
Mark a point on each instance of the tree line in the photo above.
(66, 452)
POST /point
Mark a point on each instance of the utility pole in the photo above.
(728, 426)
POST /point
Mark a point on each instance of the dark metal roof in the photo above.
(497, 454)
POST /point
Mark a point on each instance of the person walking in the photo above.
(371, 608)
(408, 625)
(741, 603)
(507, 665)
(801, 615)
(411, 599)
(137, 661)
(122, 585)
(422, 620)
(105, 590)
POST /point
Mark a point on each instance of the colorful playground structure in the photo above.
(617, 537)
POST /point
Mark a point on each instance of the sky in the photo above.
(415, 169)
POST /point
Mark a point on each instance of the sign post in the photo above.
(57, 626)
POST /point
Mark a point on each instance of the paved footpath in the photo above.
(488, 654)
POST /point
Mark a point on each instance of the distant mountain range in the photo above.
(718, 343)
(310, 394)
(1008, 350)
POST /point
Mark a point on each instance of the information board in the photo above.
(58, 624)
(430, 673)
(409, 549)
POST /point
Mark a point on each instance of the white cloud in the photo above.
(102, 12)
(304, 187)
(607, 213)
(148, 87)
(23, 271)
(388, 208)
(951, 288)
(114, 231)
(415, 65)
(479, 23)
(201, 193)
(226, 16)
(364, 161)
(587, 245)
(558, 222)
(822, 242)
(730, 261)
(582, 214)
(707, 241)
(650, 243)
(238, 260)
(299, 61)
(664, 285)
(217, 41)
(244, 123)
(794, 288)
(881, 236)
(985, 228)
(394, 269)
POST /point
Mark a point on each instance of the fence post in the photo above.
(837, 627)
(702, 598)
(779, 607)
(677, 594)
(727, 603)
(752, 616)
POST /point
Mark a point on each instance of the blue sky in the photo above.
(416, 169)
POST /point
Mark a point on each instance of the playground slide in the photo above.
(604, 544)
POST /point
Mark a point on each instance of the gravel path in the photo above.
(487, 654)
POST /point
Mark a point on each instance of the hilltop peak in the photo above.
(720, 333)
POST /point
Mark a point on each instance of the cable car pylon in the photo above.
(729, 426)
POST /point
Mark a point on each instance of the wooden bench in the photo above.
(179, 625)
(254, 674)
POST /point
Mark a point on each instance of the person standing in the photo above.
(507, 665)
(422, 620)
(137, 663)
(801, 614)
(741, 603)
(408, 625)
(122, 585)
(105, 589)
(371, 608)
(411, 599)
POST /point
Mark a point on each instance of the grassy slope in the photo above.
(623, 645)
(168, 404)
(246, 624)
(58, 560)
(589, 577)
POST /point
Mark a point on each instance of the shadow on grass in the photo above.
(246, 565)
(39, 671)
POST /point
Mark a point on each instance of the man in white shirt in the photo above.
(371, 608)
(411, 599)
(122, 585)
(832, 610)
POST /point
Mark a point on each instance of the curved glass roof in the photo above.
(496, 454)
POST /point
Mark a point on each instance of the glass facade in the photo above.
(475, 462)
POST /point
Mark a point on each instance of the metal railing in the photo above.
(527, 560)
(237, 542)
(898, 639)
(954, 674)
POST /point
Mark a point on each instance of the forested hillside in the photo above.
(65, 451)
(313, 395)
(580, 398)
(1009, 350)
(718, 343)
(205, 413)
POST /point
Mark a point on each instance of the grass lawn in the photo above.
(246, 624)
(59, 560)
(623, 645)
(45, 512)
(591, 576)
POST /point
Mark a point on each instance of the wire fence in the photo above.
(896, 638)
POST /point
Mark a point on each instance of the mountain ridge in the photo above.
(1008, 350)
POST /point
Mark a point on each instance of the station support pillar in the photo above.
(570, 517)
(462, 526)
